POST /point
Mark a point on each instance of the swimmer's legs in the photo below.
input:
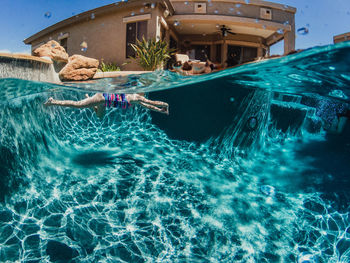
(137, 98)
(158, 106)
(88, 102)
(164, 110)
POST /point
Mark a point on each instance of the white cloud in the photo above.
(25, 51)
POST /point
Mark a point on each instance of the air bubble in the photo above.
(132, 13)
(286, 23)
(239, 13)
(217, 25)
(264, 27)
(267, 190)
(216, 11)
(257, 20)
(331, 68)
(153, 5)
(252, 123)
(186, 3)
(231, 9)
(303, 31)
(280, 31)
(232, 99)
(238, 5)
(176, 23)
(247, 1)
(83, 46)
(47, 14)
(142, 10)
(92, 16)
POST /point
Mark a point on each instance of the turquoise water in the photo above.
(269, 184)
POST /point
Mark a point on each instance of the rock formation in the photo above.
(79, 68)
(53, 50)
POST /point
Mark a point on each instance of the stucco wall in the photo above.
(225, 8)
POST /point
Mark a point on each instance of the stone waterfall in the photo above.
(28, 67)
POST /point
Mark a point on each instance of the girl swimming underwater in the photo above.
(102, 100)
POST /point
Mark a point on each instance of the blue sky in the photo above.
(22, 18)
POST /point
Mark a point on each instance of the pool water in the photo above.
(265, 180)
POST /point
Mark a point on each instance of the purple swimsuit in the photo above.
(116, 101)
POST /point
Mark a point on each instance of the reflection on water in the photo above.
(273, 188)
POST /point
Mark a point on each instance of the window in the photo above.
(173, 43)
(63, 43)
(218, 53)
(134, 31)
(249, 54)
(202, 52)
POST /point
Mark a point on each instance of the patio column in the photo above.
(223, 53)
(289, 39)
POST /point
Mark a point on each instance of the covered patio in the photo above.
(221, 37)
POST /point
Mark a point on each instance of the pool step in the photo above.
(292, 116)
(287, 97)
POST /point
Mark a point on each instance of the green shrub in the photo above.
(108, 67)
(151, 54)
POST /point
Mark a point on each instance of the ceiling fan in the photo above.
(225, 31)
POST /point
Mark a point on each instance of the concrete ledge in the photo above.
(113, 74)
(25, 57)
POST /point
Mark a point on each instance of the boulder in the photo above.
(53, 50)
(79, 68)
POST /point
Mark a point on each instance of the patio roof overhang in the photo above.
(209, 24)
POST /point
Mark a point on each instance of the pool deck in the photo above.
(113, 74)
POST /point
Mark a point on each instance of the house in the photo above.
(341, 38)
(217, 28)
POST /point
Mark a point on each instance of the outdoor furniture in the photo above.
(182, 58)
